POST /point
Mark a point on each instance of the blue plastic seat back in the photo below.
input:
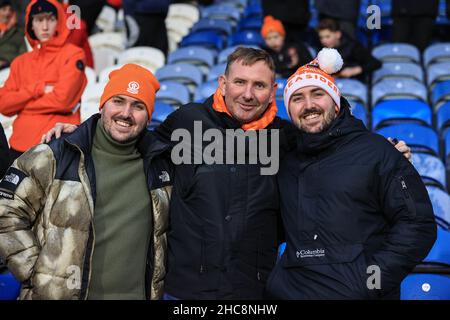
(9, 286)
(440, 93)
(224, 11)
(220, 26)
(192, 55)
(359, 111)
(447, 146)
(223, 55)
(253, 11)
(402, 110)
(282, 112)
(388, 89)
(247, 37)
(425, 286)
(420, 138)
(438, 72)
(436, 53)
(173, 93)
(252, 24)
(440, 252)
(162, 111)
(396, 52)
(396, 70)
(205, 90)
(181, 72)
(281, 82)
(443, 116)
(353, 90)
(441, 205)
(208, 39)
(216, 71)
(430, 167)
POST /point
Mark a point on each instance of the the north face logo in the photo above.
(164, 176)
(133, 87)
(12, 178)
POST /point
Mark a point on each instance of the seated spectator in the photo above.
(287, 57)
(12, 42)
(44, 85)
(359, 62)
(4, 153)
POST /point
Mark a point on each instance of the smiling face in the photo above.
(312, 109)
(248, 90)
(44, 26)
(124, 117)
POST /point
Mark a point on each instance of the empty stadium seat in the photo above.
(92, 93)
(247, 38)
(419, 138)
(173, 93)
(103, 77)
(200, 56)
(87, 109)
(250, 24)
(162, 111)
(209, 39)
(438, 72)
(223, 55)
(4, 74)
(222, 27)
(440, 252)
(253, 11)
(425, 287)
(441, 206)
(282, 112)
(224, 11)
(437, 52)
(358, 111)
(106, 47)
(395, 52)
(148, 57)
(205, 90)
(402, 110)
(447, 147)
(216, 71)
(184, 73)
(430, 168)
(183, 11)
(398, 89)
(353, 90)
(90, 75)
(398, 70)
(443, 117)
(440, 94)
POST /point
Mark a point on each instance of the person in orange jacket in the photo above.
(45, 85)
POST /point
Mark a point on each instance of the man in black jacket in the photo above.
(357, 216)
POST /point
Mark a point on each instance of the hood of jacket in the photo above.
(61, 34)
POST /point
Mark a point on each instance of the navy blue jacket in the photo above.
(349, 200)
(146, 6)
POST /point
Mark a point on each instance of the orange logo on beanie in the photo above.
(133, 87)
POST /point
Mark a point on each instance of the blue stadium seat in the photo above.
(173, 93)
(359, 111)
(395, 52)
(419, 138)
(205, 90)
(253, 11)
(401, 111)
(353, 90)
(222, 27)
(208, 39)
(282, 112)
(396, 70)
(252, 24)
(216, 71)
(441, 206)
(9, 286)
(246, 38)
(430, 168)
(398, 89)
(193, 55)
(447, 147)
(162, 111)
(440, 94)
(223, 55)
(184, 73)
(440, 252)
(438, 72)
(281, 82)
(238, 3)
(443, 117)
(425, 286)
(437, 52)
(224, 11)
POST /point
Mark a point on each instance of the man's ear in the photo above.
(274, 91)
(339, 34)
(222, 84)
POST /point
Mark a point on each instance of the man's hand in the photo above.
(402, 147)
(48, 88)
(350, 72)
(57, 130)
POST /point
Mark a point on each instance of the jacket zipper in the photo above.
(408, 199)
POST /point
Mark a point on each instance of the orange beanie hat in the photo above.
(134, 81)
(272, 25)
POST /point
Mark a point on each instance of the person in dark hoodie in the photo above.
(287, 57)
(357, 215)
(12, 42)
(359, 62)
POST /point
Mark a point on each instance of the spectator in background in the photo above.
(287, 57)
(12, 42)
(90, 10)
(345, 12)
(4, 152)
(358, 61)
(79, 36)
(413, 21)
(294, 14)
(44, 85)
(150, 16)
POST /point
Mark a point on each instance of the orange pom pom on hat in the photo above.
(271, 24)
(317, 73)
(134, 81)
